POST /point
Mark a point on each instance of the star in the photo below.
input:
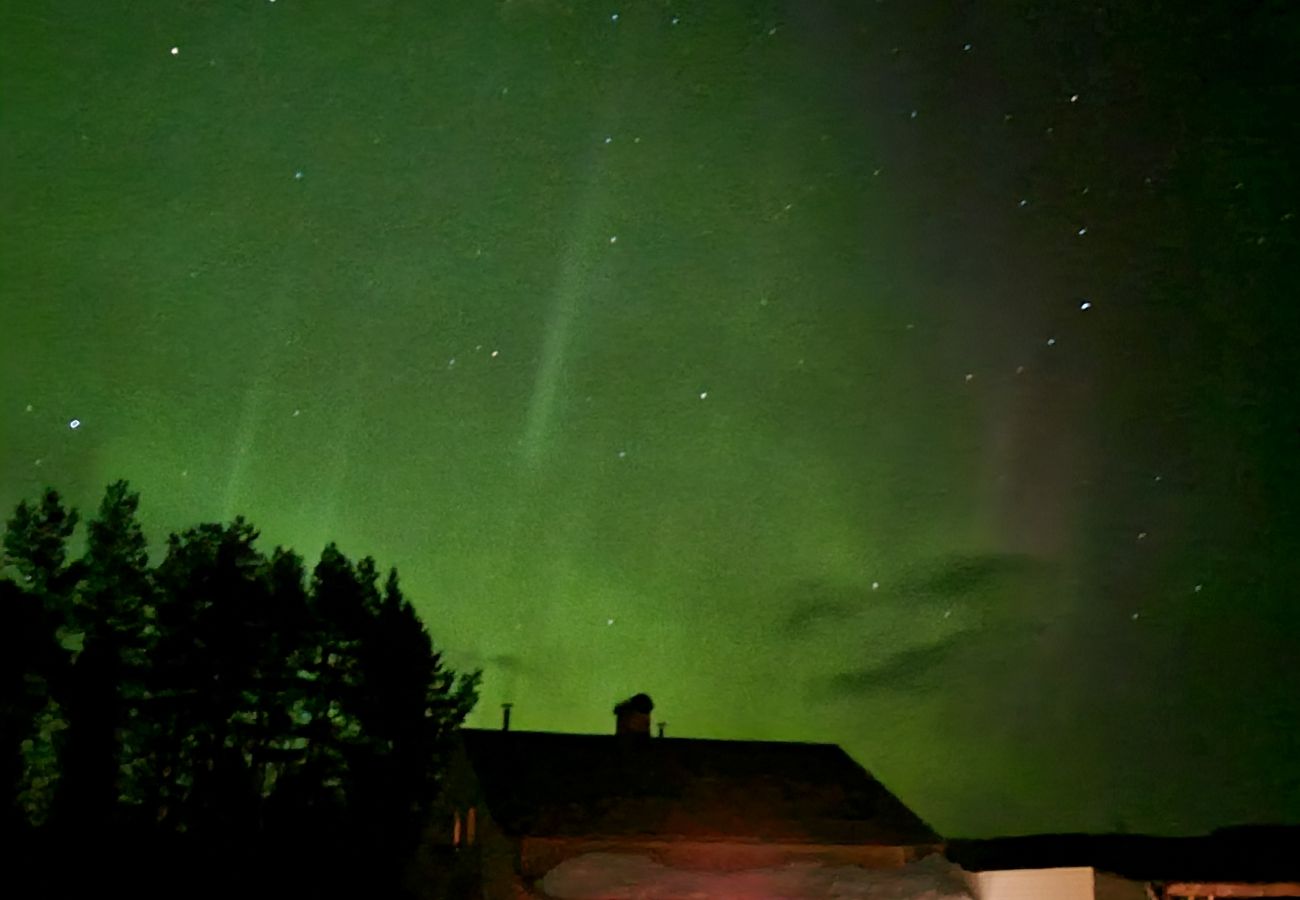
(29, 408)
(1051, 342)
(704, 395)
(175, 50)
(297, 176)
(74, 424)
(875, 585)
(1085, 305)
(613, 239)
(1081, 232)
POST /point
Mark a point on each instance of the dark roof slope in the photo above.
(539, 783)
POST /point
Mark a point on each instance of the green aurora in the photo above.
(915, 377)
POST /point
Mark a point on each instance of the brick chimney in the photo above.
(632, 716)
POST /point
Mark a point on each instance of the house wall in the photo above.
(1076, 883)
(482, 869)
(1112, 887)
(538, 855)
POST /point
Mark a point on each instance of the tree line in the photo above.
(223, 706)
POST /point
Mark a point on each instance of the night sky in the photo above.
(915, 376)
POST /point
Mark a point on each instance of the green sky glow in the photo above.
(681, 356)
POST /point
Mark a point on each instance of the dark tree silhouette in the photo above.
(108, 611)
(31, 661)
(36, 666)
(220, 708)
(36, 545)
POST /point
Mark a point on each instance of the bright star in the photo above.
(74, 424)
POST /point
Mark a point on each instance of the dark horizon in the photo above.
(917, 378)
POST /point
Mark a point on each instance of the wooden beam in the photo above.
(1232, 889)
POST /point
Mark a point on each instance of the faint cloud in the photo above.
(814, 603)
(508, 662)
(958, 576)
(914, 669)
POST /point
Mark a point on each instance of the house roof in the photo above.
(547, 784)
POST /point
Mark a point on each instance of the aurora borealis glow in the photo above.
(913, 376)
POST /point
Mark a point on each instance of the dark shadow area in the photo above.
(221, 723)
(1244, 853)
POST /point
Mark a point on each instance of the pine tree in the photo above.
(110, 611)
(36, 664)
(36, 545)
(203, 662)
(221, 695)
(31, 660)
